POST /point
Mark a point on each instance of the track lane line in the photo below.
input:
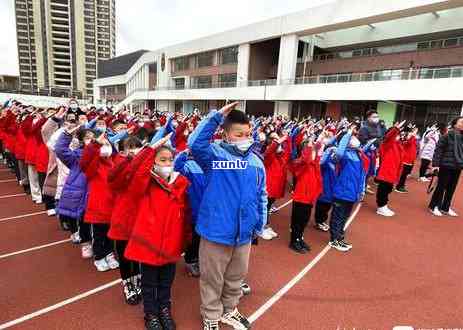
(7, 180)
(59, 305)
(278, 295)
(22, 216)
(13, 195)
(35, 248)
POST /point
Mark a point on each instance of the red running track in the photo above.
(402, 271)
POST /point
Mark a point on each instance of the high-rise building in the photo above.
(61, 41)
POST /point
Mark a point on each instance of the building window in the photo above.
(181, 64)
(202, 82)
(179, 83)
(228, 55)
(227, 80)
(204, 59)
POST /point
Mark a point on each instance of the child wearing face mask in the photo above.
(410, 148)
(390, 153)
(123, 216)
(96, 162)
(349, 187)
(73, 197)
(160, 231)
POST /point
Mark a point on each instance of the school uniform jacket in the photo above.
(161, 228)
(276, 169)
(390, 154)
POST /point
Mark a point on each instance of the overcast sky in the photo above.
(152, 24)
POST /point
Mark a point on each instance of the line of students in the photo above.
(136, 191)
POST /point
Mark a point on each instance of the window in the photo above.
(181, 64)
(204, 60)
(423, 45)
(202, 82)
(227, 80)
(179, 83)
(451, 42)
(229, 55)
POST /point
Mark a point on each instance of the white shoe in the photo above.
(112, 261)
(86, 250)
(436, 212)
(235, 320)
(38, 201)
(424, 179)
(272, 232)
(385, 211)
(75, 238)
(266, 235)
(51, 212)
(451, 213)
(101, 265)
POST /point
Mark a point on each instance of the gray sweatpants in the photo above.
(223, 269)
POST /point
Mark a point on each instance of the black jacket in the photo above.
(368, 132)
(448, 151)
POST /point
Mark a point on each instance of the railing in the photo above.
(384, 75)
(53, 92)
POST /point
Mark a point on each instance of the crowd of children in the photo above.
(138, 191)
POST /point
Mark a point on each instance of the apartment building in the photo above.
(60, 43)
(403, 58)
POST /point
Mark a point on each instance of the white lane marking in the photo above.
(277, 296)
(35, 248)
(285, 204)
(59, 305)
(8, 180)
(14, 195)
(22, 216)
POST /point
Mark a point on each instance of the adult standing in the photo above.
(448, 159)
(371, 129)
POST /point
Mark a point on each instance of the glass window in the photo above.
(179, 83)
(204, 59)
(423, 45)
(451, 42)
(202, 82)
(227, 80)
(181, 64)
(229, 55)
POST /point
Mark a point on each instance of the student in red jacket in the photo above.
(160, 232)
(408, 138)
(306, 170)
(96, 163)
(123, 217)
(31, 156)
(390, 154)
(276, 161)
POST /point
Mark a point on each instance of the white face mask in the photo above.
(163, 171)
(279, 149)
(374, 120)
(354, 142)
(326, 141)
(106, 151)
(243, 145)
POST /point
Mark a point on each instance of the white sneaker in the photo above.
(424, 179)
(112, 261)
(451, 213)
(75, 238)
(436, 212)
(266, 235)
(385, 211)
(272, 232)
(101, 265)
(38, 201)
(51, 212)
(236, 320)
(86, 250)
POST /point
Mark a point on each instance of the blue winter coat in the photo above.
(234, 205)
(350, 181)
(74, 196)
(328, 170)
(191, 170)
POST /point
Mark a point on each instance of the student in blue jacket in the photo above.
(349, 187)
(232, 211)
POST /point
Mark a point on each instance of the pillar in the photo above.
(242, 74)
(287, 61)
(387, 112)
(333, 110)
(282, 108)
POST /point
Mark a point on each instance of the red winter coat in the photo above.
(409, 151)
(41, 160)
(180, 138)
(125, 210)
(161, 228)
(276, 169)
(31, 142)
(390, 157)
(20, 149)
(309, 184)
(100, 198)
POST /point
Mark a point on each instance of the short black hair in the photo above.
(129, 143)
(455, 121)
(371, 112)
(117, 122)
(235, 117)
(82, 132)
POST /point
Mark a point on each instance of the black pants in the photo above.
(156, 285)
(321, 211)
(339, 215)
(192, 251)
(85, 231)
(42, 177)
(102, 245)
(424, 167)
(446, 185)
(300, 216)
(382, 193)
(72, 223)
(127, 267)
(49, 202)
(270, 202)
(406, 170)
(16, 168)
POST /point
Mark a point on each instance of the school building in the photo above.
(403, 58)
